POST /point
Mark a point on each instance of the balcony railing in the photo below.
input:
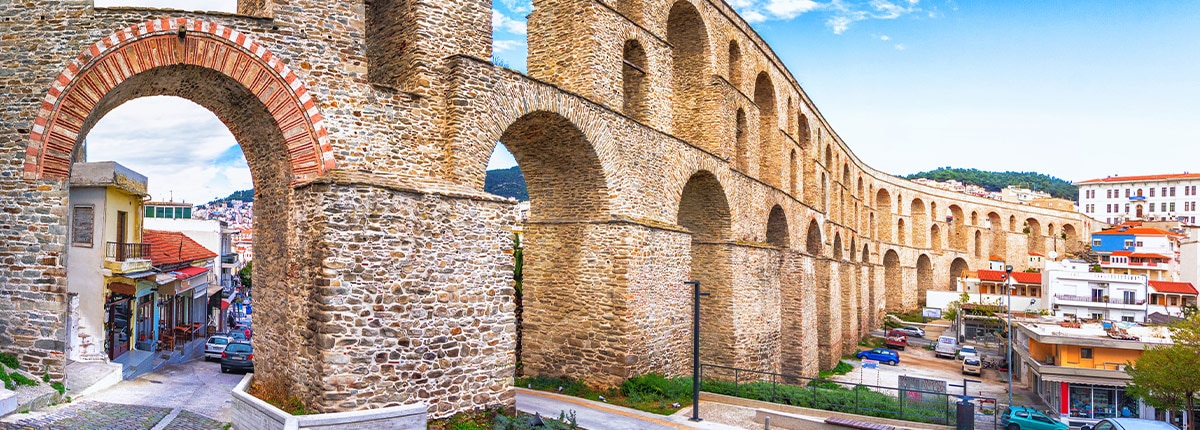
(1111, 300)
(229, 258)
(127, 251)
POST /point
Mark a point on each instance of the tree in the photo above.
(244, 274)
(1166, 377)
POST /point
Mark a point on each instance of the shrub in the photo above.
(9, 360)
(7, 380)
(831, 396)
(62, 389)
(20, 379)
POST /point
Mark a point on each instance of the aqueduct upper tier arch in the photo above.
(392, 284)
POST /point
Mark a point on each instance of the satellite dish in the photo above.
(1053, 255)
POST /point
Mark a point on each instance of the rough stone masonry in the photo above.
(662, 141)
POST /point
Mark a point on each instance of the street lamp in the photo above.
(1008, 282)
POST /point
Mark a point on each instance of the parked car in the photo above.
(966, 351)
(947, 346)
(972, 366)
(215, 346)
(912, 331)
(1026, 418)
(896, 339)
(1129, 424)
(237, 335)
(879, 354)
(237, 356)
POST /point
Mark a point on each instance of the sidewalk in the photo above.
(594, 415)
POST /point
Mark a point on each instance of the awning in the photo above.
(136, 275)
(122, 288)
(214, 290)
(189, 272)
(1085, 380)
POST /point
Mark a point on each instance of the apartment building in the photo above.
(1117, 199)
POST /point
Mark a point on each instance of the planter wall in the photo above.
(252, 413)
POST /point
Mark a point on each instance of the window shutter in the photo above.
(82, 226)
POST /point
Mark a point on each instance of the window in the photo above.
(1095, 242)
(1127, 208)
(1127, 193)
(1085, 352)
(1172, 207)
(1164, 192)
(1096, 316)
(160, 212)
(1139, 244)
(149, 211)
(1172, 191)
(1129, 297)
(1152, 207)
(82, 225)
(1128, 243)
(1152, 192)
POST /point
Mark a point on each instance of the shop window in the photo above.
(1127, 318)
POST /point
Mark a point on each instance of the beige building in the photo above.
(109, 276)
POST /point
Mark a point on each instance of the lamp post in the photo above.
(1008, 283)
(696, 295)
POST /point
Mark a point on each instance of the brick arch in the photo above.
(777, 228)
(68, 110)
(563, 173)
(687, 33)
(704, 211)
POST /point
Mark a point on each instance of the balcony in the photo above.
(127, 257)
(1090, 299)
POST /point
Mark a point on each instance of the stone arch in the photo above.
(633, 81)
(768, 126)
(837, 246)
(814, 244)
(846, 175)
(74, 104)
(900, 232)
(1012, 223)
(958, 268)
(265, 106)
(568, 194)
(805, 135)
(829, 157)
(935, 238)
(924, 277)
(741, 141)
(978, 248)
(704, 212)
(860, 193)
(563, 173)
(1035, 242)
(883, 204)
(920, 222)
(735, 64)
(958, 228)
(974, 218)
(1069, 233)
(687, 33)
(999, 236)
(853, 249)
(893, 281)
(777, 228)
(793, 173)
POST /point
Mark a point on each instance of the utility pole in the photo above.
(696, 295)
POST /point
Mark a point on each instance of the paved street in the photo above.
(193, 395)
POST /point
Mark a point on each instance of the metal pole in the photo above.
(1008, 353)
(696, 294)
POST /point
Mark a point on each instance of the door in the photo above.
(121, 219)
(117, 333)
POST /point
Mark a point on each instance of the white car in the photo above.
(966, 351)
(215, 346)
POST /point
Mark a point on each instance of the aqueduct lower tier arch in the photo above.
(385, 267)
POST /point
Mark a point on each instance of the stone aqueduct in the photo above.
(662, 141)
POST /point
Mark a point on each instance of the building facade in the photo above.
(108, 265)
(1133, 249)
(1117, 199)
(1077, 292)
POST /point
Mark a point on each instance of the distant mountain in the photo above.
(995, 181)
(243, 195)
(506, 182)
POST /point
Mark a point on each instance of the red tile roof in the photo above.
(1019, 277)
(1143, 178)
(1173, 287)
(1035, 254)
(995, 257)
(1137, 231)
(170, 247)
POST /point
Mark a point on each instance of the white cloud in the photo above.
(900, 47)
(844, 13)
(884, 37)
(788, 9)
(753, 16)
(503, 22)
(184, 151)
(500, 45)
(518, 6)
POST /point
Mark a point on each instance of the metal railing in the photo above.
(860, 399)
(1090, 299)
(126, 251)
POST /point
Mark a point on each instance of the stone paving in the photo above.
(111, 416)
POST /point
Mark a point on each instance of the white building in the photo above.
(1116, 199)
(1076, 292)
(214, 236)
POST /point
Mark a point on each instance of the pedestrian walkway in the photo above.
(594, 415)
(98, 415)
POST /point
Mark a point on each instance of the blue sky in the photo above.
(1077, 90)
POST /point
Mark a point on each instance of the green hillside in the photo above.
(506, 182)
(243, 195)
(995, 181)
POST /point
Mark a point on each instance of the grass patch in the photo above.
(9, 360)
(842, 368)
(651, 392)
(911, 316)
(20, 379)
(58, 386)
(7, 380)
(830, 396)
(872, 342)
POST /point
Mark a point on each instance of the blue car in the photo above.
(879, 354)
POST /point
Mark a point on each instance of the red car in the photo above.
(896, 339)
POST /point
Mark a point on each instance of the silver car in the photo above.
(215, 346)
(1129, 424)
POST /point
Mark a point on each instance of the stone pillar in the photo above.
(798, 314)
(829, 313)
(756, 307)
